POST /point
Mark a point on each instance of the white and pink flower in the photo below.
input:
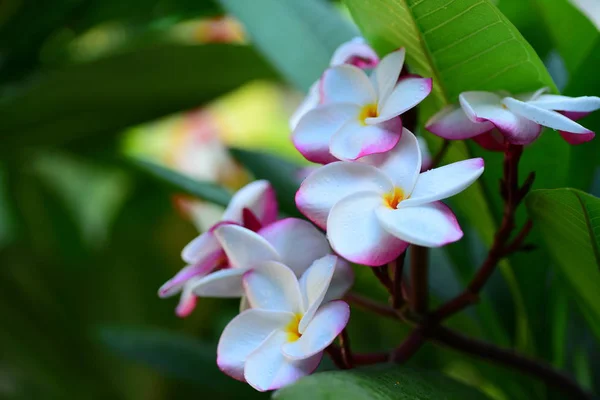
(254, 206)
(283, 338)
(358, 114)
(373, 210)
(519, 119)
(354, 52)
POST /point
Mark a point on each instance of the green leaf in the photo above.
(378, 383)
(569, 221)
(283, 175)
(203, 190)
(108, 95)
(174, 355)
(298, 37)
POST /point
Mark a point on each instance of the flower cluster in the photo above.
(373, 195)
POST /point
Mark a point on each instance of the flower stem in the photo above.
(509, 358)
(419, 289)
(411, 344)
(346, 353)
(397, 271)
(437, 159)
(370, 305)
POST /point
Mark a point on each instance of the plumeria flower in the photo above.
(354, 52)
(359, 115)
(293, 242)
(372, 210)
(253, 206)
(519, 119)
(283, 338)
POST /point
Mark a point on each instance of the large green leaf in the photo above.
(378, 383)
(105, 96)
(283, 175)
(203, 190)
(569, 221)
(298, 37)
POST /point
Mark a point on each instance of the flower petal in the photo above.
(356, 52)
(441, 183)
(313, 286)
(341, 282)
(492, 140)
(175, 284)
(549, 118)
(310, 101)
(402, 164)
(202, 247)
(331, 183)
(225, 283)
(355, 140)
(346, 84)
(429, 225)
(385, 76)
(485, 106)
(409, 92)
(566, 103)
(268, 369)
(452, 123)
(259, 197)
(187, 301)
(243, 335)
(577, 138)
(327, 323)
(273, 286)
(356, 234)
(313, 134)
(297, 242)
(243, 247)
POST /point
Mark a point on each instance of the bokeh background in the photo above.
(87, 236)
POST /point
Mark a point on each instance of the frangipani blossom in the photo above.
(519, 119)
(354, 52)
(359, 115)
(293, 242)
(372, 210)
(282, 339)
(253, 206)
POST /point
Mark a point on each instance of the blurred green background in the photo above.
(87, 236)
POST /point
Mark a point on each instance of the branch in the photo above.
(370, 305)
(509, 358)
(335, 353)
(397, 293)
(346, 353)
(419, 289)
(409, 346)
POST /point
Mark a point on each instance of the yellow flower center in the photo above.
(393, 198)
(291, 329)
(368, 111)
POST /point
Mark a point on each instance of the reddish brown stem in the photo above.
(437, 159)
(509, 358)
(411, 344)
(418, 279)
(370, 305)
(382, 274)
(346, 353)
(335, 353)
(398, 270)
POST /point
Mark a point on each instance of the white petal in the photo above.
(297, 242)
(343, 278)
(187, 301)
(258, 197)
(331, 183)
(243, 335)
(313, 134)
(565, 103)
(402, 164)
(357, 48)
(551, 119)
(175, 284)
(244, 304)
(429, 225)
(346, 84)
(243, 247)
(273, 286)
(327, 323)
(385, 76)
(268, 369)
(225, 283)
(486, 106)
(441, 183)
(355, 233)
(355, 140)
(452, 123)
(310, 101)
(409, 92)
(313, 286)
(201, 247)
